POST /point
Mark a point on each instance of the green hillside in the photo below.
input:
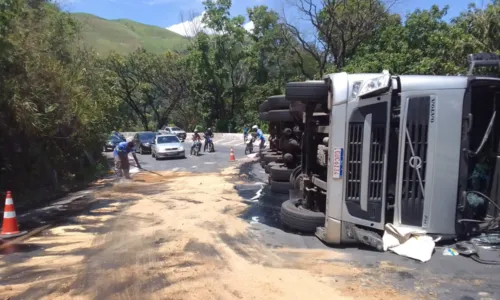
(125, 36)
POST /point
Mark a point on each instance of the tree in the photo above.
(483, 26)
(424, 44)
(341, 27)
(54, 106)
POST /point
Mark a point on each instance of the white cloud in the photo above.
(249, 26)
(192, 27)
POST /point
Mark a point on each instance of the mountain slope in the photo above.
(125, 36)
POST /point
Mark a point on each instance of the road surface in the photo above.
(209, 229)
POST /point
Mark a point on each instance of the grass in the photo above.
(124, 36)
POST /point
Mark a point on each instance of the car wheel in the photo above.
(263, 107)
(298, 218)
(141, 151)
(278, 102)
(309, 91)
(156, 158)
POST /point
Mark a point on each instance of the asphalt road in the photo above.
(204, 163)
(443, 277)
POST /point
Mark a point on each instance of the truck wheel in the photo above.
(278, 102)
(315, 91)
(264, 106)
(280, 187)
(282, 115)
(298, 218)
(267, 158)
(280, 173)
(264, 116)
(268, 166)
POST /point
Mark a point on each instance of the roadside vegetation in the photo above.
(59, 98)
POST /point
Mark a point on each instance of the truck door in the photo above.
(366, 161)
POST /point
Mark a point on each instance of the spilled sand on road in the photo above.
(176, 236)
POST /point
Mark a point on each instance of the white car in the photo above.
(181, 134)
(167, 146)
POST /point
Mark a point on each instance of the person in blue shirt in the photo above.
(120, 157)
(245, 133)
(260, 136)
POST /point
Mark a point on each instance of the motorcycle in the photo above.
(196, 149)
(249, 144)
(208, 144)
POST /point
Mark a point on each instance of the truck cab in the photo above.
(416, 151)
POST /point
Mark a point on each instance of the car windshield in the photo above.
(115, 139)
(167, 139)
(146, 136)
(176, 129)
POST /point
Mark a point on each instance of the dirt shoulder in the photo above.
(175, 237)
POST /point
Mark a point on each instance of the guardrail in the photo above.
(217, 135)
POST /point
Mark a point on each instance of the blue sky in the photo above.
(165, 13)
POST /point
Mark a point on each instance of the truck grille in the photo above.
(415, 162)
(355, 147)
(375, 172)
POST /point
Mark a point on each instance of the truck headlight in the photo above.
(375, 86)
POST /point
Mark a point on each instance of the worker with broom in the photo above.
(120, 155)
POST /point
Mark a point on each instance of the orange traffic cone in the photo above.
(231, 155)
(9, 226)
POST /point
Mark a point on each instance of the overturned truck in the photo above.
(415, 151)
(283, 154)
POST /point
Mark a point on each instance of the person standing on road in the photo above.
(120, 156)
(260, 136)
(245, 133)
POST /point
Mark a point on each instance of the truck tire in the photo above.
(263, 116)
(303, 220)
(264, 106)
(277, 102)
(279, 187)
(267, 158)
(280, 173)
(281, 115)
(270, 165)
(263, 164)
(315, 91)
